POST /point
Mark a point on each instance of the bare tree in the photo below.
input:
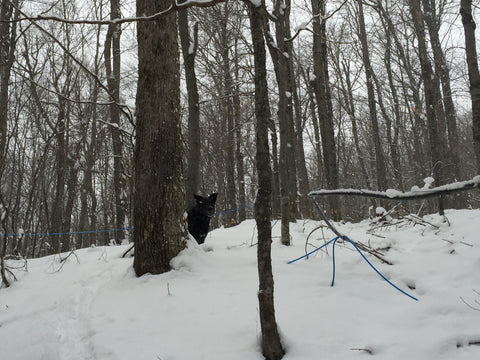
(271, 345)
(382, 183)
(437, 146)
(473, 72)
(158, 197)
(189, 46)
(324, 102)
(112, 70)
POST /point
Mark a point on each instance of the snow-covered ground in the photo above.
(95, 307)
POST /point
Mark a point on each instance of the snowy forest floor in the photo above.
(95, 307)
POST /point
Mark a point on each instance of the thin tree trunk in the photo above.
(442, 69)
(189, 48)
(287, 167)
(324, 103)
(271, 345)
(229, 135)
(112, 69)
(436, 146)
(394, 153)
(382, 183)
(238, 141)
(302, 173)
(57, 216)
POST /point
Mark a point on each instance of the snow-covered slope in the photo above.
(95, 308)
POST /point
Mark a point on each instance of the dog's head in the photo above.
(206, 204)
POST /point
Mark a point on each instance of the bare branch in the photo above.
(174, 7)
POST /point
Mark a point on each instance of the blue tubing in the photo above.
(334, 240)
(311, 252)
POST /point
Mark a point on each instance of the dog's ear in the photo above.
(199, 199)
(213, 197)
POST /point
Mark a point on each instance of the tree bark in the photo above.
(271, 344)
(382, 183)
(229, 135)
(189, 48)
(159, 199)
(437, 146)
(280, 54)
(239, 158)
(324, 103)
(442, 69)
(473, 72)
(112, 69)
(7, 46)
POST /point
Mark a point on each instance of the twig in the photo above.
(128, 250)
(470, 306)
(368, 351)
(311, 232)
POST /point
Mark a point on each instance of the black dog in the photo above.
(199, 216)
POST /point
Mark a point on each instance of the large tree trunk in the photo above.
(159, 200)
(473, 72)
(271, 345)
(7, 47)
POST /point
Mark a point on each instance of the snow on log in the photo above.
(414, 194)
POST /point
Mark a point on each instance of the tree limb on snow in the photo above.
(414, 194)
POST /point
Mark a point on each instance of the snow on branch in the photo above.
(414, 194)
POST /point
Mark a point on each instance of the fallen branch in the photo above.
(414, 194)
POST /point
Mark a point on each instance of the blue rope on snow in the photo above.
(311, 252)
(334, 240)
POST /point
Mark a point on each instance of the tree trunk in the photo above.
(379, 154)
(271, 345)
(229, 135)
(242, 215)
(442, 69)
(112, 70)
(324, 103)
(418, 124)
(473, 72)
(437, 146)
(396, 110)
(159, 199)
(189, 47)
(58, 207)
(7, 47)
(279, 52)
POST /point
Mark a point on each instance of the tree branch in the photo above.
(414, 194)
(174, 7)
